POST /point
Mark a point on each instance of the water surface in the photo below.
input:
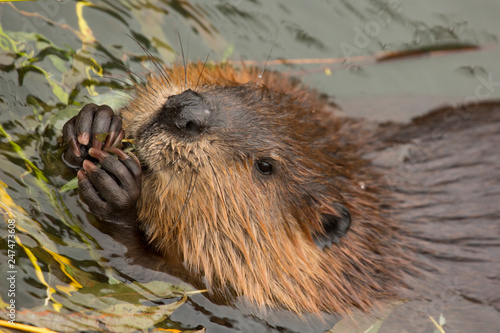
(57, 56)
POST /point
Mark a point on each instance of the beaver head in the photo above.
(252, 186)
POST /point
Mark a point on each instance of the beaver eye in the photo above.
(264, 167)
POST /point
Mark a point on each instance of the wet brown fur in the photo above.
(203, 203)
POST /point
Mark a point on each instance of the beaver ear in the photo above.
(334, 227)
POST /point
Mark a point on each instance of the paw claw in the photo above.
(88, 166)
(81, 175)
(75, 148)
(98, 153)
(120, 153)
(84, 138)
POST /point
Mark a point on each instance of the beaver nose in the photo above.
(188, 112)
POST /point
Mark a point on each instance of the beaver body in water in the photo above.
(260, 190)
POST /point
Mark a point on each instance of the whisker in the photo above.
(155, 87)
(137, 77)
(110, 61)
(123, 81)
(192, 184)
(183, 60)
(152, 88)
(187, 59)
(201, 72)
(119, 64)
(215, 176)
(147, 96)
(265, 65)
(161, 71)
(171, 177)
(142, 78)
(163, 74)
(128, 98)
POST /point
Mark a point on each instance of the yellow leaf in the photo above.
(6, 202)
(439, 327)
(24, 328)
(63, 263)
(39, 274)
(86, 33)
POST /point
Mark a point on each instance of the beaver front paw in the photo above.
(83, 130)
(111, 191)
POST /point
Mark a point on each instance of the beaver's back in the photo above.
(444, 173)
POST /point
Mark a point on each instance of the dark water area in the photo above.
(380, 60)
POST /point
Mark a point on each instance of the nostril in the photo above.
(190, 125)
(193, 126)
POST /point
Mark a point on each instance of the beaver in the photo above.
(252, 186)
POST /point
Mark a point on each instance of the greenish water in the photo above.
(57, 56)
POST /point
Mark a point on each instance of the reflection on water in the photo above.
(56, 56)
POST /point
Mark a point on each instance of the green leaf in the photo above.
(360, 322)
(228, 52)
(114, 99)
(375, 327)
(122, 307)
(71, 185)
(102, 137)
(59, 118)
(441, 320)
